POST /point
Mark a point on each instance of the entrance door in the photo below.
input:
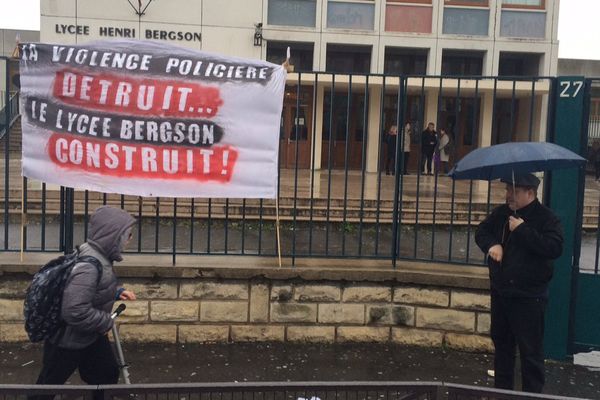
(295, 130)
(460, 118)
(342, 135)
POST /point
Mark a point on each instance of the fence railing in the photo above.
(590, 241)
(275, 391)
(346, 188)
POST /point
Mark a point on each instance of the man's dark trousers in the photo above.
(518, 321)
(96, 362)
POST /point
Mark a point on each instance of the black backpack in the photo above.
(43, 299)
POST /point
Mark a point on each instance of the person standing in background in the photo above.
(428, 145)
(406, 133)
(390, 160)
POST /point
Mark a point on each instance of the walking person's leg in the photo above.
(429, 162)
(597, 169)
(504, 344)
(405, 163)
(528, 324)
(99, 365)
(423, 160)
(57, 366)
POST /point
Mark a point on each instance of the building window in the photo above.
(351, 15)
(462, 62)
(523, 24)
(405, 61)
(348, 59)
(466, 21)
(415, 18)
(519, 64)
(537, 4)
(301, 54)
(292, 12)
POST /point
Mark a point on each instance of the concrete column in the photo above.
(374, 133)
(431, 105)
(485, 115)
(315, 151)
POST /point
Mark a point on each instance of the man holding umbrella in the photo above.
(520, 239)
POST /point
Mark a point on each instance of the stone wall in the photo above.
(214, 309)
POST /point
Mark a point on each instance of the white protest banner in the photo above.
(150, 119)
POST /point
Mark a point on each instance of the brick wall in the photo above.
(198, 310)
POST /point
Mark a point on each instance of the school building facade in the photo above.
(347, 56)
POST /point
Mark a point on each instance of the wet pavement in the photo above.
(256, 362)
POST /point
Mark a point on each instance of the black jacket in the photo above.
(526, 266)
(428, 141)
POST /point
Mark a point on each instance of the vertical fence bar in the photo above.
(24, 213)
(379, 156)
(435, 169)
(192, 209)
(69, 219)
(156, 224)
(348, 110)
(313, 166)
(329, 163)
(7, 117)
(531, 110)
(260, 226)
(174, 250)
(208, 226)
(243, 224)
(399, 119)
(452, 139)
(86, 212)
(297, 132)
(419, 170)
(363, 165)
(43, 232)
(139, 224)
(400, 170)
(512, 111)
(469, 221)
(226, 245)
(61, 225)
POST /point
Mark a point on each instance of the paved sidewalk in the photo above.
(248, 362)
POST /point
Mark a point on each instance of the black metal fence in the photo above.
(346, 187)
(590, 241)
(274, 391)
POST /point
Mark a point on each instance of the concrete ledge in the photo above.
(249, 267)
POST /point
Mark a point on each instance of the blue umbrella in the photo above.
(505, 160)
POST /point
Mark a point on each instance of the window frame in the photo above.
(395, 2)
(542, 6)
(462, 3)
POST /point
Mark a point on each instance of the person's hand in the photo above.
(513, 223)
(127, 295)
(496, 252)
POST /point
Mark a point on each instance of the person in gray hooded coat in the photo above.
(83, 343)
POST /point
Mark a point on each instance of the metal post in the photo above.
(69, 223)
(399, 120)
(6, 152)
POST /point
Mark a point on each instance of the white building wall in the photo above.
(227, 26)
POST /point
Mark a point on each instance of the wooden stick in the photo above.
(277, 228)
(22, 216)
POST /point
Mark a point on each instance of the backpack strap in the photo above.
(95, 262)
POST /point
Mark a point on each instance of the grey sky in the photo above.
(578, 28)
